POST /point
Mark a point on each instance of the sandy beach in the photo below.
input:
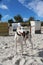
(30, 53)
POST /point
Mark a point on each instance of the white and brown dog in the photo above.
(20, 37)
(21, 33)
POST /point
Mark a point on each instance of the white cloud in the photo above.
(35, 5)
(25, 19)
(6, 0)
(22, 1)
(2, 6)
(4, 17)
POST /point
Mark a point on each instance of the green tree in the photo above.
(31, 19)
(0, 17)
(18, 18)
(10, 22)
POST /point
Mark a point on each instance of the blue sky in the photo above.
(26, 8)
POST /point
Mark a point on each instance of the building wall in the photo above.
(32, 27)
(4, 30)
(37, 25)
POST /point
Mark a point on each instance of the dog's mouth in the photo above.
(25, 34)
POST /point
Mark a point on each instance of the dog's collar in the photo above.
(18, 34)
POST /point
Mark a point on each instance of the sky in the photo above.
(26, 8)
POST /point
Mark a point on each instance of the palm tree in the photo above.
(18, 18)
(0, 17)
(31, 19)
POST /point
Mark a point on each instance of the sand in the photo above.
(29, 53)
